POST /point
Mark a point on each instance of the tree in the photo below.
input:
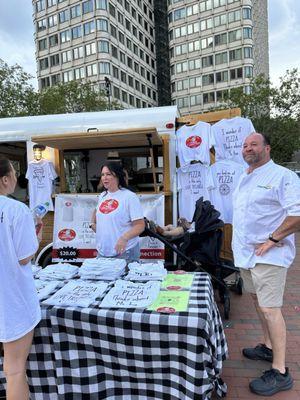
(17, 96)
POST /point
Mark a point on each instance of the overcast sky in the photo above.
(17, 42)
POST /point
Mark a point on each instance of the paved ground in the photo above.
(243, 331)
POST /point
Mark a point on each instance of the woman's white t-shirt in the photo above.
(19, 305)
(114, 215)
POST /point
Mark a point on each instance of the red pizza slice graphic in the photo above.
(66, 235)
(109, 205)
(193, 141)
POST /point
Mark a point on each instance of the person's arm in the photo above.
(137, 228)
(291, 224)
(93, 221)
(26, 260)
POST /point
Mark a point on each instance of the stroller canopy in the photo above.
(206, 217)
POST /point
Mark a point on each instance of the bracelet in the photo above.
(272, 239)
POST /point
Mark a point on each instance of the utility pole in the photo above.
(107, 90)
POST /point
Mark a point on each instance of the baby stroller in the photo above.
(199, 250)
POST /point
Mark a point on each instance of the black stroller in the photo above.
(200, 250)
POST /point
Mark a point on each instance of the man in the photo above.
(266, 206)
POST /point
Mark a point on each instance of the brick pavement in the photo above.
(244, 330)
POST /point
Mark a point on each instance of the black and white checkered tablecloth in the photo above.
(130, 354)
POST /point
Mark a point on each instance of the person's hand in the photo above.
(39, 228)
(262, 248)
(120, 246)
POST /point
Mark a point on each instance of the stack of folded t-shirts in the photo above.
(146, 271)
(105, 269)
(60, 272)
(45, 288)
(35, 269)
(77, 293)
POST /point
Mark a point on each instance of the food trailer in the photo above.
(78, 144)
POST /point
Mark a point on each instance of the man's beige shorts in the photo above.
(267, 282)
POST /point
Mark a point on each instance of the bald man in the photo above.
(266, 213)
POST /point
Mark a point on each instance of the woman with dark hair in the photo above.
(19, 306)
(118, 219)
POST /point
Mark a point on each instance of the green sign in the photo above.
(171, 301)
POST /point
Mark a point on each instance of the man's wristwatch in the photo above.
(272, 239)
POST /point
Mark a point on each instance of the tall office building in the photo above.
(153, 52)
(215, 45)
(97, 39)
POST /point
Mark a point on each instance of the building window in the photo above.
(89, 27)
(40, 5)
(54, 60)
(222, 76)
(247, 13)
(53, 40)
(220, 39)
(52, 20)
(45, 82)
(51, 3)
(208, 97)
(137, 85)
(63, 16)
(183, 102)
(194, 64)
(41, 25)
(207, 42)
(138, 103)
(75, 11)
(130, 81)
(205, 5)
(91, 70)
(207, 61)
(179, 13)
(120, 18)
(194, 46)
(235, 54)
(78, 52)
(90, 49)
(181, 49)
(101, 4)
(195, 82)
(248, 52)
(112, 10)
(208, 79)
(219, 3)
(127, 25)
(113, 31)
(236, 73)
(181, 67)
(129, 62)
(66, 56)
(114, 51)
(42, 44)
(115, 72)
(124, 96)
(67, 76)
(234, 35)
(44, 63)
(103, 46)
(76, 32)
(248, 72)
(55, 79)
(116, 92)
(222, 95)
(79, 73)
(220, 20)
(87, 6)
(121, 37)
(192, 10)
(102, 24)
(65, 36)
(195, 100)
(123, 77)
(122, 57)
(247, 33)
(193, 28)
(234, 16)
(206, 24)
(182, 85)
(104, 68)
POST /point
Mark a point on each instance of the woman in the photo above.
(19, 306)
(118, 219)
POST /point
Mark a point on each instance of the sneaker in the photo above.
(260, 352)
(271, 382)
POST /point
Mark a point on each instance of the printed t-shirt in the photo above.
(40, 175)
(19, 306)
(114, 215)
(223, 179)
(192, 184)
(228, 136)
(193, 143)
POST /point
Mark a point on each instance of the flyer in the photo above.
(171, 302)
(177, 281)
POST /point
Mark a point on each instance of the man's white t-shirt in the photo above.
(223, 179)
(19, 305)
(261, 202)
(228, 136)
(193, 143)
(192, 184)
(114, 215)
(40, 175)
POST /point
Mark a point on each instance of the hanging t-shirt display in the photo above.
(192, 184)
(222, 180)
(40, 175)
(228, 136)
(193, 143)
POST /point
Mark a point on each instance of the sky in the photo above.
(17, 41)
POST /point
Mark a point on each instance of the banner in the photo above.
(74, 240)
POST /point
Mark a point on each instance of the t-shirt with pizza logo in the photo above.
(193, 143)
(114, 215)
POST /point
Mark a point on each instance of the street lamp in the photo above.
(107, 89)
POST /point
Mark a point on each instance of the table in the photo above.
(122, 354)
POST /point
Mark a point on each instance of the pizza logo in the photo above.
(224, 189)
(108, 206)
(174, 287)
(193, 141)
(66, 235)
(168, 310)
(179, 272)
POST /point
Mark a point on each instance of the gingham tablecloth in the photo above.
(130, 354)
